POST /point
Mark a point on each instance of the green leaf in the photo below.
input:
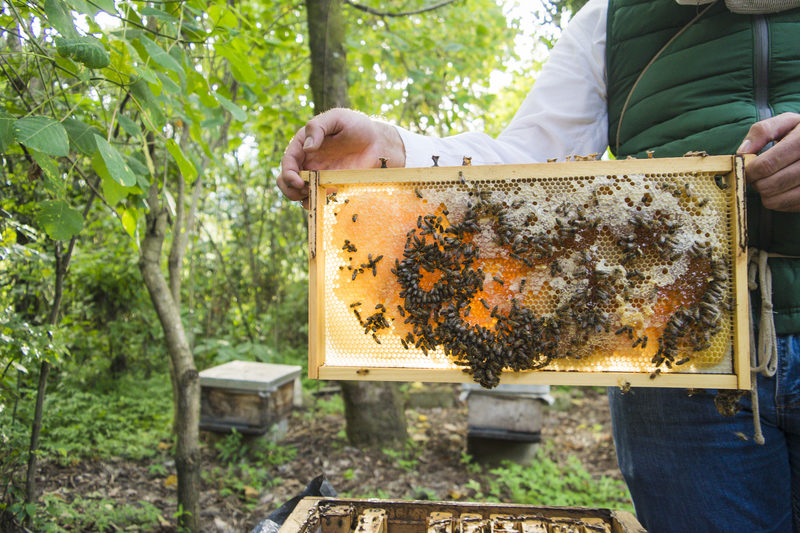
(116, 166)
(240, 63)
(168, 84)
(60, 18)
(81, 135)
(130, 127)
(138, 168)
(237, 112)
(157, 13)
(43, 134)
(160, 56)
(83, 7)
(87, 50)
(51, 177)
(130, 217)
(106, 5)
(141, 91)
(220, 15)
(59, 220)
(6, 131)
(113, 192)
(186, 166)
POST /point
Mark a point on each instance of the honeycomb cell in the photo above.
(591, 273)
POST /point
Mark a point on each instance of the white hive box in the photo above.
(247, 396)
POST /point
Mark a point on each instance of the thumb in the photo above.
(309, 143)
(766, 131)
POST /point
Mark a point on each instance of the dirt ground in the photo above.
(578, 424)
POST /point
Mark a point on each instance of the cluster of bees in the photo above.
(517, 338)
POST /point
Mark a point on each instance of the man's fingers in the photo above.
(784, 154)
(319, 127)
(766, 131)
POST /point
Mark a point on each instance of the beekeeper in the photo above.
(671, 77)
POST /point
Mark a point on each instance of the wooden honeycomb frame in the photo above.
(727, 170)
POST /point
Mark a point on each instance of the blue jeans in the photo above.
(690, 470)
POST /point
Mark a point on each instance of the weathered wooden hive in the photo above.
(334, 515)
(628, 273)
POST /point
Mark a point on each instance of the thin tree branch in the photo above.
(373, 11)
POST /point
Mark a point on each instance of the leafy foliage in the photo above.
(110, 110)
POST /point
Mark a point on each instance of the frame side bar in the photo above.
(741, 341)
(316, 285)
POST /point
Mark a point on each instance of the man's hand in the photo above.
(337, 139)
(775, 174)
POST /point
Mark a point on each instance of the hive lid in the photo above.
(249, 376)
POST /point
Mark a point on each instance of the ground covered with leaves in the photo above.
(246, 479)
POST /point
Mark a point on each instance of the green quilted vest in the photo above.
(704, 91)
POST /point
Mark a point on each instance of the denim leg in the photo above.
(788, 411)
(689, 469)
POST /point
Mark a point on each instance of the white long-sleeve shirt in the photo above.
(564, 113)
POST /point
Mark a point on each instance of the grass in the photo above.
(128, 421)
(545, 482)
(95, 513)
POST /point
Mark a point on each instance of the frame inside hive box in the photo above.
(629, 273)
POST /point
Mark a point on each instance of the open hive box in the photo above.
(335, 515)
(629, 273)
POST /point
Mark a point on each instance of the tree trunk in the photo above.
(326, 34)
(186, 376)
(374, 411)
(62, 267)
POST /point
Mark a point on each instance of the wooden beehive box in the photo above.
(629, 273)
(247, 396)
(339, 515)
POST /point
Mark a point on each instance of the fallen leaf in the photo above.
(164, 445)
(171, 480)
(250, 492)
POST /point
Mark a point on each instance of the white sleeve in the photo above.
(564, 113)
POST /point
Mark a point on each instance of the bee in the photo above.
(355, 304)
(401, 310)
(498, 279)
(655, 373)
(362, 371)
(416, 191)
(383, 162)
(466, 161)
(435, 160)
(486, 305)
(355, 217)
(644, 342)
(625, 387)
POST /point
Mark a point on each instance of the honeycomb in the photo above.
(592, 273)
